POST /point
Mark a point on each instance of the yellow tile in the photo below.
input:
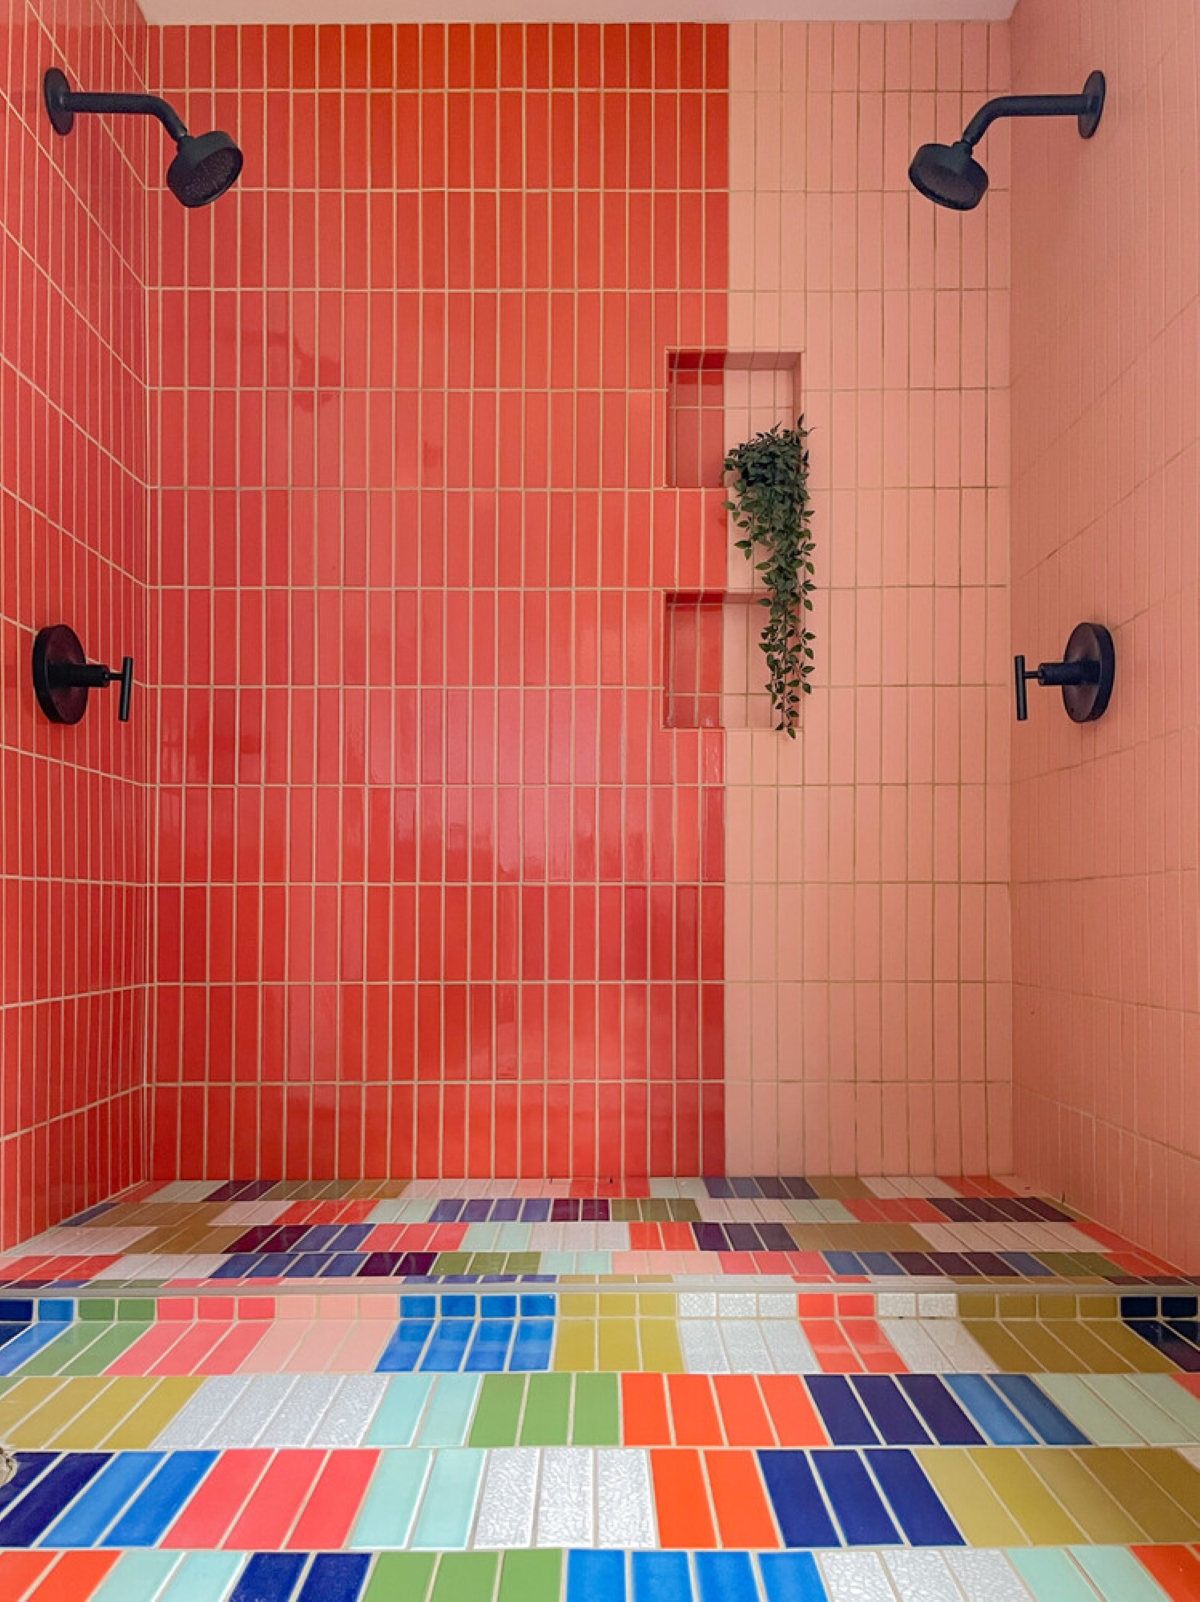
(1093, 1307)
(661, 1352)
(1141, 1357)
(1055, 1307)
(577, 1305)
(575, 1348)
(971, 1306)
(1053, 1355)
(153, 1413)
(1010, 1305)
(1141, 1494)
(619, 1345)
(1178, 1477)
(614, 1305)
(38, 1429)
(1102, 1519)
(1024, 1495)
(972, 1503)
(24, 1398)
(101, 1417)
(1093, 1352)
(1002, 1346)
(652, 1304)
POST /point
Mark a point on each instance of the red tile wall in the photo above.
(74, 808)
(438, 892)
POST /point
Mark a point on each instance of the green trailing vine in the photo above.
(771, 503)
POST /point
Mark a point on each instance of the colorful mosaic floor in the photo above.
(809, 1230)
(408, 1394)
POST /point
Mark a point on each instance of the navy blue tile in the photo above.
(234, 1267)
(1169, 1341)
(719, 1189)
(91, 1513)
(48, 1496)
(9, 1332)
(92, 1212)
(710, 1238)
(269, 1577)
(596, 1577)
(447, 1210)
(155, 1509)
(800, 1509)
(320, 1238)
(403, 1351)
(350, 1238)
(344, 1265)
(308, 1265)
(1038, 1411)
(843, 1262)
(725, 1577)
(287, 1238)
(843, 1416)
(15, 1312)
(335, 1577)
(660, 1577)
(890, 1413)
(1179, 1307)
(791, 1577)
(989, 1410)
(535, 1210)
(947, 1422)
(855, 1501)
(30, 1466)
(271, 1265)
(914, 1501)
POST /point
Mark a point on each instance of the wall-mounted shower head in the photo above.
(205, 164)
(950, 176)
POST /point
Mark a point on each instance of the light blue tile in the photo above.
(137, 1577)
(447, 1420)
(203, 1577)
(386, 1517)
(55, 1309)
(448, 1507)
(593, 1262)
(598, 1577)
(1051, 1575)
(557, 1263)
(395, 1424)
(1117, 1574)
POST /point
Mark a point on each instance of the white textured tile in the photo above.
(185, 1190)
(702, 1349)
(919, 1351)
(307, 1400)
(201, 1413)
(624, 1498)
(986, 1576)
(922, 1577)
(565, 1500)
(963, 1351)
(697, 1304)
(348, 1417)
(789, 1348)
(612, 1237)
(736, 1304)
(856, 1577)
(509, 1497)
(148, 1265)
(745, 1346)
(896, 1304)
(263, 1398)
(937, 1304)
(772, 1304)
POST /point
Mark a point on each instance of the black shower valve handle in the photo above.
(1050, 674)
(1085, 675)
(126, 680)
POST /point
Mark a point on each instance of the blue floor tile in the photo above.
(947, 1422)
(890, 1412)
(30, 1467)
(855, 1501)
(800, 1509)
(403, 1352)
(27, 1344)
(155, 1509)
(725, 1577)
(596, 1577)
(91, 1513)
(446, 1349)
(661, 1577)
(335, 1577)
(269, 1577)
(489, 1349)
(1038, 1411)
(48, 1496)
(914, 1501)
(533, 1344)
(990, 1411)
(843, 1416)
(791, 1577)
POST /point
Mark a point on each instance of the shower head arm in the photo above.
(1086, 107)
(62, 103)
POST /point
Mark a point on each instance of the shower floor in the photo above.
(931, 1391)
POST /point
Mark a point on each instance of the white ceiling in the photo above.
(358, 11)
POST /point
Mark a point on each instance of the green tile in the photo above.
(531, 1577)
(203, 1577)
(75, 1338)
(498, 1413)
(139, 1576)
(597, 1419)
(401, 1577)
(102, 1311)
(486, 1263)
(404, 1401)
(447, 1420)
(656, 1210)
(391, 1501)
(106, 1349)
(451, 1262)
(547, 1410)
(1050, 1575)
(684, 1210)
(137, 1310)
(1086, 1409)
(522, 1262)
(1117, 1574)
(624, 1211)
(448, 1506)
(466, 1577)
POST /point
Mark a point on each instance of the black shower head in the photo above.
(205, 164)
(949, 175)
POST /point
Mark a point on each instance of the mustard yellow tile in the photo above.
(1095, 1307)
(653, 1304)
(1012, 1305)
(973, 1306)
(575, 1348)
(576, 1304)
(96, 1422)
(1097, 1356)
(972, 1503)
(1141, 1494)
(153, 1413)
(615, 1305)
(661, 1352)
(1179, 1478)
(1053, 1356)
(1056, 1307)
(38, 1429)
(1002, 1346)
(619, 1345)
(1140, 1356)
(25, 1397)
(1024, 1495)
(1103, 1520)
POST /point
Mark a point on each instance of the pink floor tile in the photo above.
(185, 1356)
(233, 1349)
(154, 1346)
(273, 1351)
(361, 1349)
(317, 1348)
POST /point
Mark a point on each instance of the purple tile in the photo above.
(477, 1211)
(535, 1210)
(799, 1189)
(710, 1238)
(565, 1210)
(594, 1210)
(446, 1212)
(743, 1238)
(719, 1189)
(506, 1211)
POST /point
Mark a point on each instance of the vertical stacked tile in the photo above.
(74, 817)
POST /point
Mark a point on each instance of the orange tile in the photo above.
(680, 1495)
(744, 1516)
(693, 1410)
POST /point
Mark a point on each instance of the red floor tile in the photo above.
(336, 1498)
(276, 1502)
(644, 1410)
(218, 1501)
(791, 1411)
(740, 1498)
(742, 1411)
(1175, 1568)
(73, 1578)
(693, 1410)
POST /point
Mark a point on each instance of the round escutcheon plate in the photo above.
(1089, 642)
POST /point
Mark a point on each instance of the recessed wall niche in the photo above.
(716, 398)
(714, 674)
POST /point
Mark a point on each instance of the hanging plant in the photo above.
(771, 503)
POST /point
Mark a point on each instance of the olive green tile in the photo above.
(661, 1351)
(578, 1304)
(93, 1425)
(1052, 1355)
(1178, 1477)
(1002, 1347)
(1103, 1520)
(597, 1413)
(575, 1345)
(971, 1306)
(970, 1500)
(546, 1421)
(1024, 1495)
(1097, 1307)
(451, 1262)
(1015, 1305)
(1053, 1308)
(52, 1359)
(683, 1210)
(1141, 1495)
(522, 1262)
(655, 1210)
(531, 1577)
(24, 1398)
(99, 1311)
(465, 1577)
(39, 1427)
(498, 1411)
(153, 1413)
(619, 1351)
(624, 1211)
(1141, 1357)
(1089, 1346)
(487, 1263)
(106, 1349)
(136, 1310)
(401, 1577)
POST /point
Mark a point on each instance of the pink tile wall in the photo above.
(1106, 525)
(867, 943)
(74, 812)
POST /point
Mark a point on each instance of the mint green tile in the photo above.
(512, 1238)
(480, 1237)
(1050, 1575)
(106, 1349)
(593, 1262)
(75, 1338)
(401, 1577)
(466, 1577)
(386, 1517)
(448, 1506)
(203, 1577)
(498, 1411)
(558, 1263)
(547, 1410)
(447, 1420)
(597, 1419)
(531, 1577)
(1136, 1408)
(1117, 1574)
(137, 1577)
(1165, 1391)
(404, 1401)
(1087, 1410)
(137, 1310)
(99, 1311)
